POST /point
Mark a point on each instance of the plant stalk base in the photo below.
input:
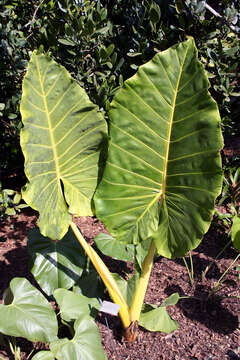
(131, 332)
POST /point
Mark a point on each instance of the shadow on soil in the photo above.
(209, 312)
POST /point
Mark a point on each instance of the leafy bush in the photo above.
(102, 44)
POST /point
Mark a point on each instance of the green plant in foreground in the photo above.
(156, 190)
(10, 202)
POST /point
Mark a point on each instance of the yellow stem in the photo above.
(106, 277)
(140, 292)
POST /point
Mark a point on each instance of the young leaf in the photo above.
(127, 287)
(111, 247)
(29, 315)
(171, 300)
(86, 343)
(163, 170)
(157, 319)
(61, 141)
(56, 264)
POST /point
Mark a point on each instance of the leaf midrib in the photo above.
(161, 194)
(49, 124)
(170, 124)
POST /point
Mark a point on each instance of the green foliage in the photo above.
(31, 316)
(235, 232)
(155, 318)
(55, 264)
(101, 44)
(10, 202)
(161, 178)
(111, 247)
(61, 142)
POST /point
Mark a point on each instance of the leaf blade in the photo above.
(30, 315)
(61, 141)
(56, 264)
(86, 342)
(163, 171)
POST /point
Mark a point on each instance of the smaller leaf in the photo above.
(17, 198)
(127, 288)
(90, 284)
(8, 192)
(113, 248)
(236, 232)
(86, 343)
(10, 211)
(29, 315)
(157, 319)
(110, 49)
(66, 42)
(43, 355)
(155, 13)
(75, 305)
(12, 116)
(56, 264)
(142, 250)
(171, 300)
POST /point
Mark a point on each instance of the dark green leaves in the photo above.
(56, 264)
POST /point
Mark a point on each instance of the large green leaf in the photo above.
(61, 141)
(29, 315)
(56, 264)
(163, 171)
(85, 345)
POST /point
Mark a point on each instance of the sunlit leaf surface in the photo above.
(163, 171)
(61, 141)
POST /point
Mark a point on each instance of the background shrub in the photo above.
(102, 43)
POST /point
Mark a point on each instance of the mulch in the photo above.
(208, 328)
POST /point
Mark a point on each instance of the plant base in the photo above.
(131, 332)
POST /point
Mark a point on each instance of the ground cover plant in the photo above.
(155, 194)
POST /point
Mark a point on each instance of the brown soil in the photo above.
(208, 329)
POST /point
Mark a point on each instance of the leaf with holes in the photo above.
(163, 170)
(61, 141)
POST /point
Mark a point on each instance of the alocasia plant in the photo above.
(163, 170)
(157, 191)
